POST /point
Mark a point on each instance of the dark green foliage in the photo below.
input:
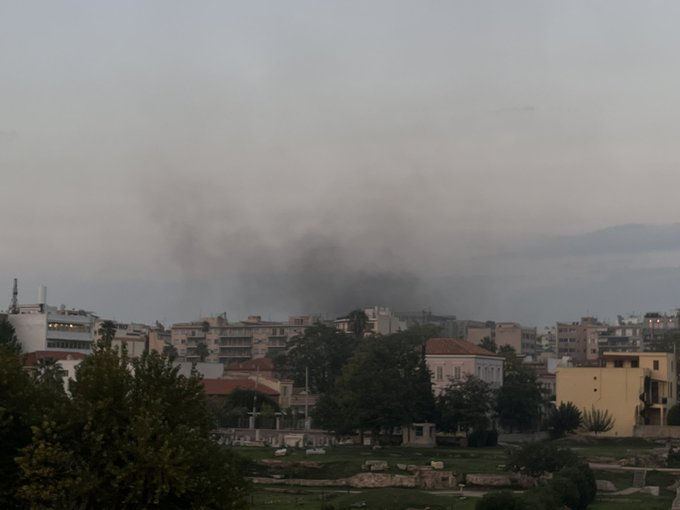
(536, 459)
(488, 343)
(8, 338)
(17, 414)
(358, 320)
(674, 415)
(598, 420)
(465, 405)
(520, 399)
(566, 492)
(563, 419)
(541, 498)
(573, 483)
(322, 351)
(136, 435)
(501, 500)
(385, 384)
(202, 351)
(583, 478)
(482, 438)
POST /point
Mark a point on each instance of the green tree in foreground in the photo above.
(136, 435)
(501, 500)
(385, 384)
(520, 399)
(564, 419)
(598, 420)
(465, 405)
(8, 338)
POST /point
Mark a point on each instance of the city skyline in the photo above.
(163, 161)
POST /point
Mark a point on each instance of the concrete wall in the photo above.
(614, 389)
(31, 330)
(657, 431)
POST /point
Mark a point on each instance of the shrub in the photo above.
(674, 415)
(577, 474)
(566, 492)
(598, 420)
(481, 438)
(535, 459)
(540, 498)
(563, 419)
(501, 500)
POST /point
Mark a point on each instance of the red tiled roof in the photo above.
(453, 346)
(227, 386)
(264, 364)
(31, 359)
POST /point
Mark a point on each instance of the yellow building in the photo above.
(637, 388)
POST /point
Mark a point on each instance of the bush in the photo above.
(501, 500)
(566, 492)
(586, 489)
(563, 419)
(674, 415)
(540, 498)
(481, 438)
(536, 459)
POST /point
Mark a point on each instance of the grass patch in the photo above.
(375, 499)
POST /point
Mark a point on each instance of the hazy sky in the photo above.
(494, 160)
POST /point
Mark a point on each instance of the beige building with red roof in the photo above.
(451, 359)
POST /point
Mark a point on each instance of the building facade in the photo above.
(233, 342)
(520, 338)
(636, 388)
(450, 359)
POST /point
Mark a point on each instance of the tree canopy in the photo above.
(465, 405)
(385, 384)
(130, 434)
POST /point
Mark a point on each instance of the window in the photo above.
(635, 363)
(656, 364)
(618, 363)
(419, 431)
(456, 373)
(439, 374)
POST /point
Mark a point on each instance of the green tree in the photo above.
(358, 320)
(17, 414)
(137, 436)
(107, 331)
(564, 419)
(489, 344)
(520, 400)
(465, 405)
(501, 500)
(320, 352)
(598, 420)
(170, 351)
(674, 415)
(385, 384)
(8, 337)
(536, 459)
(202, 351)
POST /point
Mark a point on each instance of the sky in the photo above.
(166, 160)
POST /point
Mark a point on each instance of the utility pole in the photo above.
(14, 304)
(306, 398)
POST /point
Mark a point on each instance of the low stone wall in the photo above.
(425, 479)
(657, 431)
(509, 480)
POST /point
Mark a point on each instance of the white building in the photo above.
(47, 328)
(451, 360)
(381, 321)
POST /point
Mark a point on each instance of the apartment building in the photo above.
(381, 321)
(636, 388)
(580, 340)
(520, 338)
(230, 342)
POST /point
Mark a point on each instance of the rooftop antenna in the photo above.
(14, 304)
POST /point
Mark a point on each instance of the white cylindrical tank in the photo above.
(42, 295)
